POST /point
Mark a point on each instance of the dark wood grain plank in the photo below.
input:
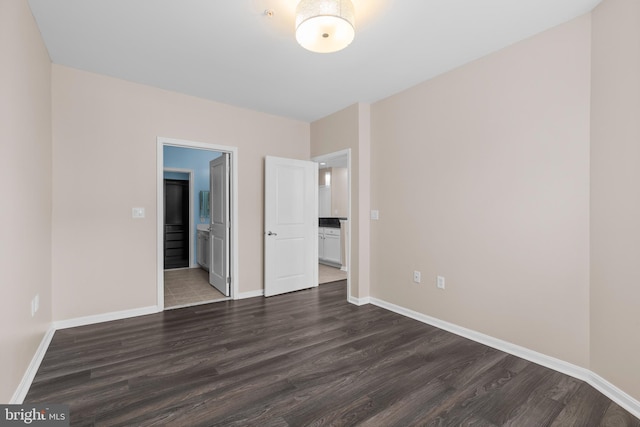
(615, 416)
(587, 408)
(303, 359)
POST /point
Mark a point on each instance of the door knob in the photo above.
(271, 234)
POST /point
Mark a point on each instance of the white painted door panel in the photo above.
(291, 225)
(219, 228)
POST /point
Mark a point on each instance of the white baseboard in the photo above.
(251, 294)
(105, 317)
(612, 392)
(615, 394)
(330, 263)
(359, 301)
(32, 369)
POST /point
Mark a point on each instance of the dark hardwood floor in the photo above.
(306, 358)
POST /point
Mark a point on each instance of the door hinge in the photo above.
(228, 280)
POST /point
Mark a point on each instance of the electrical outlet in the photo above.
(416, 276)
(440, 282)
(137, 213)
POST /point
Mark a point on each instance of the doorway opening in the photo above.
(334, 217)
(195, 264)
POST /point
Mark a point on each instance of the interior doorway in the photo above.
(334, 217)
(183, 283)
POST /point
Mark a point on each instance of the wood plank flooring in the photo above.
(303, 359)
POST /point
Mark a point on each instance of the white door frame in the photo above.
(192, 263)
(324, 158)
(233, 200)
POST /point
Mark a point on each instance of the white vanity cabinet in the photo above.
(329, 246)
(203, 249)
(321, 242)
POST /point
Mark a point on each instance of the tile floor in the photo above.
(328, 274)
(188, 286)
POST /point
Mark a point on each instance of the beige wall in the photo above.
(339, 192)
(349, 128)
(615, 198)
(339, 189)
(25, 174)
(104, 164)
(481, 175)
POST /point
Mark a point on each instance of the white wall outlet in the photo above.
(137, 212)
(416, 276)
(440, 282)
(375, 214)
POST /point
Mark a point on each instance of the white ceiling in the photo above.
(230, 51)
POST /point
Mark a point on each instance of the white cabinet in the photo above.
(332, 245)
(321, 243)
(203, 249)
(329, 246)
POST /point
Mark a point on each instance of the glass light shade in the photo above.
(325, 26)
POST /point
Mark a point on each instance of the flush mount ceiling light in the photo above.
(325, 26)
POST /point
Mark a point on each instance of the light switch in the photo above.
(375, 214)
(137, 213)
(416, 276)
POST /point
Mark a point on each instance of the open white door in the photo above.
(220, 224)
(290, 225)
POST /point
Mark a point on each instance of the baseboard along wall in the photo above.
(611, 391)
(603, 386)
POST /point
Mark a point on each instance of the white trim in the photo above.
(192, 231)
(174, 307)
(603, 386)
(614, 393)
(105, 317)
(359, 301)
(324, 158)
(251, 294)
(36, 360)
(525, 353)
(233, 151)
(32, 369)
